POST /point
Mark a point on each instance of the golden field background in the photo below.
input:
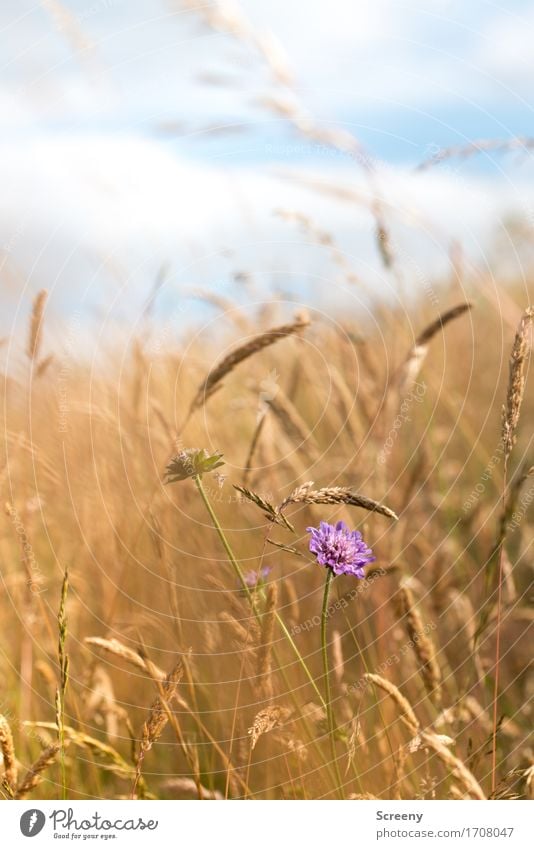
(345, 401)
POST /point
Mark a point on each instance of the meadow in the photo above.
(164, 629)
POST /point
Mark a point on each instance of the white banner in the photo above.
(268, 825)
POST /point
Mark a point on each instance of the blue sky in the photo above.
(135, 135)
(402, 75)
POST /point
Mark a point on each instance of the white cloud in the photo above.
(92, 215)
(505, 49)
(348, 55)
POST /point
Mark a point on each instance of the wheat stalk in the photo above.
(407, 715)
(44, 364)
(235, 603)
(34, 775)
(115, 761)
(293, 424)
(247, 469)
(118, 649)
(264, 653)
(516, 383)
(336, 495)
(63, 675)
(271, 513)
(291, 601)
(263, 340)
(8, 753)
(273, 716)
(338, 661)
(508, 508)
(185, 788)
(245, 637)
(521, 143)
(362, 796)
(158, 717)
(456, 766)
(422, 644)
(36, 325)
(510, 421)
(406, 375)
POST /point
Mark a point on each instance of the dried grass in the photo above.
(264, 680)
(35, 774)
(273, 716)
(158, 717)
(118, 649)
(258, 343)
(293, 425)
(407, 374)
(36, 325)
(454, 764)
(337, 495)
(423, 646)
(7, 748)
(516, 383)
(406, 712)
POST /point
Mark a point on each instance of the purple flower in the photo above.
(341, 550)
(252, 578)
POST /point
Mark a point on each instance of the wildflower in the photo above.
(341, 550)
(192, 462)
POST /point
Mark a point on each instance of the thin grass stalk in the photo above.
(511, 413)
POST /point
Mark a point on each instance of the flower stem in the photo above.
(328, 695)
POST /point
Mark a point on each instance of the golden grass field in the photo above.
(151, 673)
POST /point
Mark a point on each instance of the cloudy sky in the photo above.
(135, 136)
(403, 75)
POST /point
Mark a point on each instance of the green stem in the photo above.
(328, 695)
(239, 572)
